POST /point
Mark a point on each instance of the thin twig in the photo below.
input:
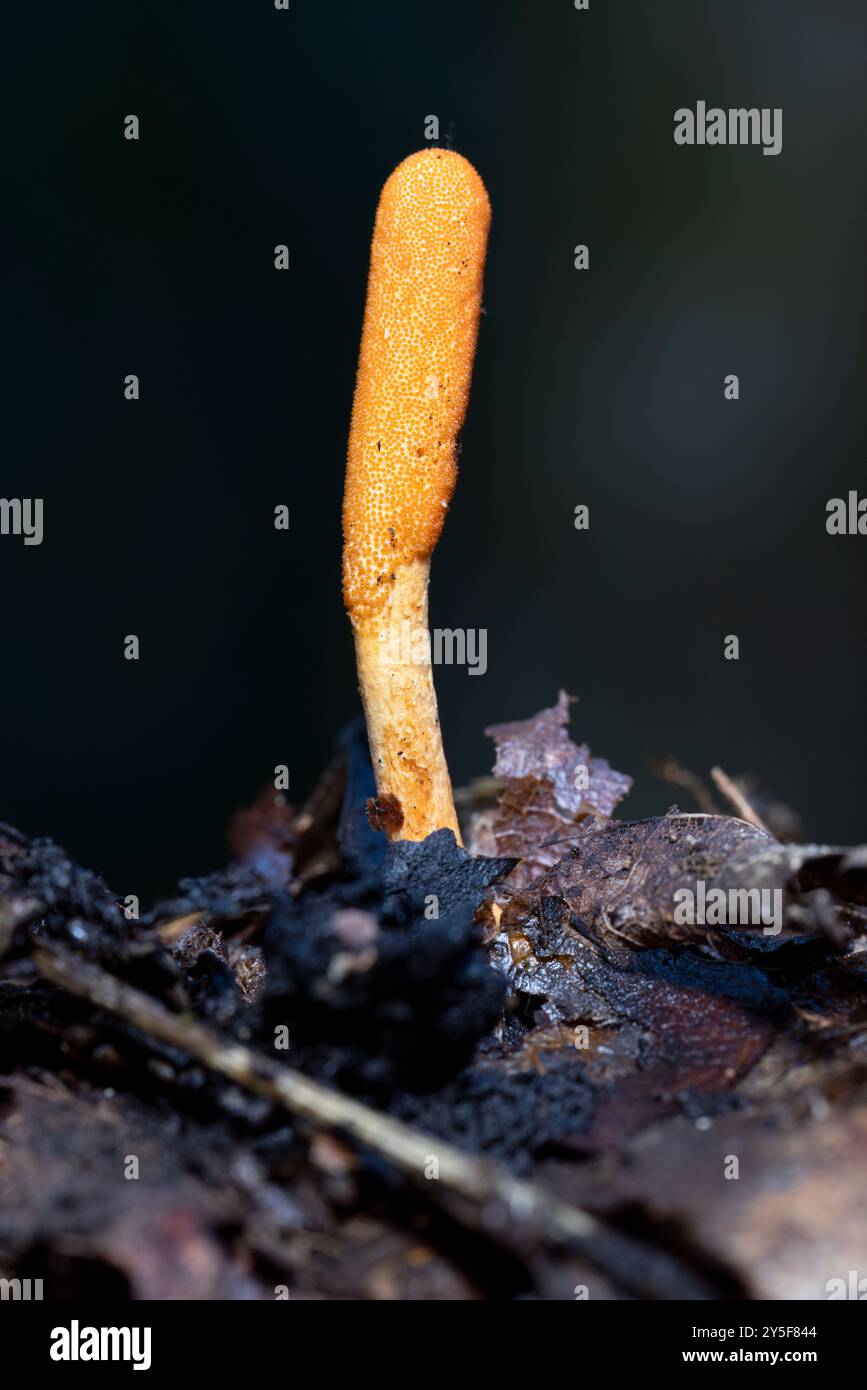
(668, 769)
(732, 792)
(515, 1212)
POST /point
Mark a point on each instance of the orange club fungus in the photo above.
(418, 342)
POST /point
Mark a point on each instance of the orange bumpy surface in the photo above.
(420, 326)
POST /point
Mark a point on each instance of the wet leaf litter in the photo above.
(412, 1070)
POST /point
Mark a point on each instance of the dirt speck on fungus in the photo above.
(384, 813)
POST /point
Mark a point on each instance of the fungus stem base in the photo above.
(392, 648)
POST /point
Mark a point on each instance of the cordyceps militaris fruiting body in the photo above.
(418, 342)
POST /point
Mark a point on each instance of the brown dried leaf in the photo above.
(794, 1221)
(66, 1204)
(551, 785)
(264, 836)
(621, 881)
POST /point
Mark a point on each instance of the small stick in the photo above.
(515, 1212)
(668, 769)
(735, 796)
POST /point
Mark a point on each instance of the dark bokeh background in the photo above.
(605, 387)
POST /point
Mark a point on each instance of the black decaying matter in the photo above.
(550, 1013)
(385, 982)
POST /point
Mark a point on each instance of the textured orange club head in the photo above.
(421, 321)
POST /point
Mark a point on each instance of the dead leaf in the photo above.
(550, 786)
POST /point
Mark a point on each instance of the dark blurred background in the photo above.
(603, 387)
